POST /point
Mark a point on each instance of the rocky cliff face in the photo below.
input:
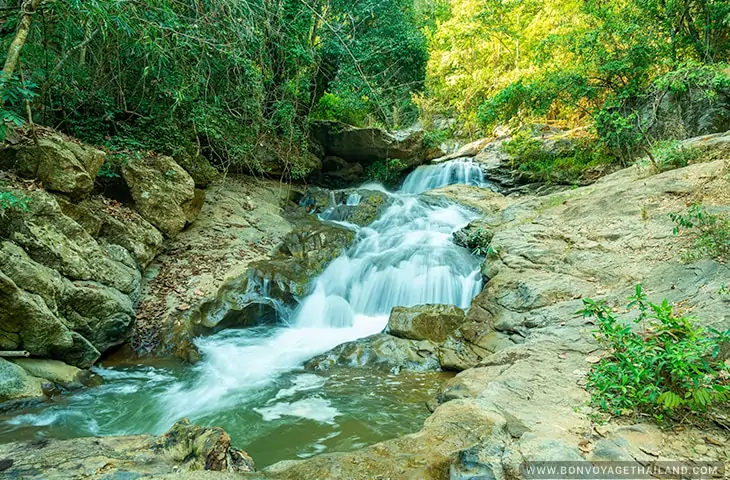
(71, 261)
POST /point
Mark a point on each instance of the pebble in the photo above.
(701, 449)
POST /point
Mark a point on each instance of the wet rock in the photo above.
(164, 193)
(358, 206)
(303, 254)
(193, 448)
(185, 448)
(60, 163)
(476, 236)
(54, 371)
(380, 351)
(368, 145)
(16, 383)
(425, 322)
(199, 168)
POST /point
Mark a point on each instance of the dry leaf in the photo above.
(184, 307)
(593, 359)
(585, 446)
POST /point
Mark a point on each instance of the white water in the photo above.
(406, 257)
(428, 177)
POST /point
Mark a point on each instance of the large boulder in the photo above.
(368, 145)
(184, 448)
(64, 296)
(54, 371)
(269, 288)
(60, 163)
(676, 115)
(15, 383)
(380, 351)
(199, 168)
(425, 322)
(164, 193)
(112, 223)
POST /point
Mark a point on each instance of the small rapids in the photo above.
(251, 381)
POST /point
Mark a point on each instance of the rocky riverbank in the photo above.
(522, 350)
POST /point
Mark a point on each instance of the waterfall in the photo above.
(250, 380)
(428, 177)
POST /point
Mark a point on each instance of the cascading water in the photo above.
(250, 381)
(427, 177)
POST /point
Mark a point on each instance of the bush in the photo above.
(567, 164)
(672, 154)
(670, 365)
(386, 172)
(711, 232)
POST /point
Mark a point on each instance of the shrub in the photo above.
(386, 172)
(670, 365)
(711, 232)
(561, 164)
(672, 154)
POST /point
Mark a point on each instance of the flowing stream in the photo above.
(251, 381)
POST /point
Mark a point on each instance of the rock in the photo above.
(64, 296)
(358, 206)
(482, 461)
(164, 193)
(195, 448)
(337, 173)
(54, 371)
(380, 351)
(54, 240)
(676, 115)
(269, 289)
(26, 323)
(115, 224)
(60, 163)
(425, 322)
(368, 145)
(184, 448)
(15, 383)
(467, 151)
(303, 254)
(199, 168)
(104, 316)
(476, 235)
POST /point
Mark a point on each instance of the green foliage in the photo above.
(576, 63)
(434, 138)
(566, 163)
(10, 200)
(237, 80)
(673, 154)
(711, 232)
(669, 365)
(479, 239)
(386, 172)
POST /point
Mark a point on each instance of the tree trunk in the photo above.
(27, 9)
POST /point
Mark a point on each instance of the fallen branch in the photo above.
(15, 354)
